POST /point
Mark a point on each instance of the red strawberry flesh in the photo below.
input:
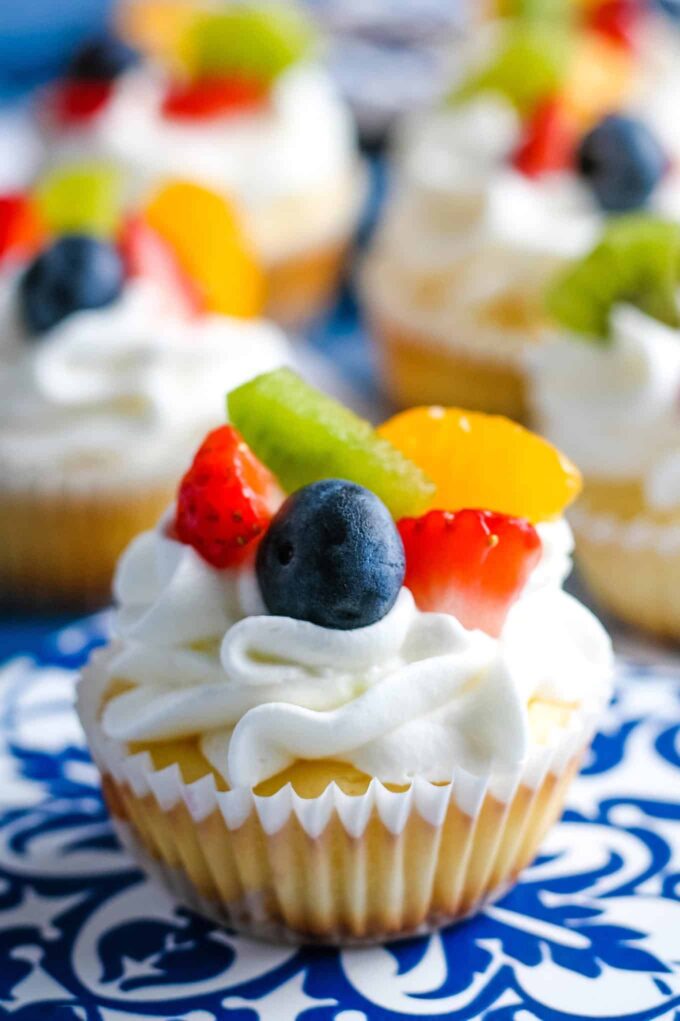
(213, 97)
(548, 142)
(226, 500)
(472, 564)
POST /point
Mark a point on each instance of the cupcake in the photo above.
(112, 365)
(350, 715)
(244, 109)
(545, 136)
(608, 393)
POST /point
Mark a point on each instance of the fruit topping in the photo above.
(21, 228)
(225, 500)
(76, 272)
(478, 460)
(146, 254)
(548, 142)
(618, 20)
(305, 436)
(250, 41)
(204, 232)
(600, 78)
(529, 66)
(213, 97)
(637, 261)
(332, 556)
(622, 161)
(472, 564)
(102, 59)
(73, 102)
(82, 197)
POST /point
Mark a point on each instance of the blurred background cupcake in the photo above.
(553, 123)
(609, 393)
(118, 338)
(239, 102)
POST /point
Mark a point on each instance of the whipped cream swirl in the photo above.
(127, 389)
(615, 409)
(414, 694)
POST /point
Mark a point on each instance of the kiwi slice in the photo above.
(530, 64)
(302, 435)
(82, 198)
(253, 41)
(637, 261)
(534, 10)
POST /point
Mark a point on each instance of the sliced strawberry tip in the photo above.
(206, 98)
(22, 230)
(548, 142)
(618, 20)
(75, 102)
(472, 564)
(146, 254)
(226, 500)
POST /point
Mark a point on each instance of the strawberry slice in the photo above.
(213, 97)
(21, 228)
(618, 20)
(472, 564)
(549, 141)
(146, 254)
(226, 499)
(75, 102)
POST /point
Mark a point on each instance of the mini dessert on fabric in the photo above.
(119, 329)
(346, 691)
(550, 130)
(607, 393)
(240, 105)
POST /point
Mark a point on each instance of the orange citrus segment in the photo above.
(600, 78)
(204, 232)
(485, 462)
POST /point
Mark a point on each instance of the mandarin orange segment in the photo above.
(600, 78)
(204, 232)
(485, 462)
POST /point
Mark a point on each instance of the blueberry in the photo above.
(102, 59)
(671, 8)
(76, 272)
(622, 161)
(333, 556)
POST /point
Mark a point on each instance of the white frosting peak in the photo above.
(615, 408)
(127, 388)
(415, 694)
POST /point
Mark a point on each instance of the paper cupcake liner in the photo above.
(59, 543)
(337, 868)
(300, 286)
(418, 369)
(632, 567)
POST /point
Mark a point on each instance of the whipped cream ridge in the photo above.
(414, 694)
(300, 149)
(615, 409)
(125, 390)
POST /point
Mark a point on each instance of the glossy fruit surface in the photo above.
(485, 461)
(213, 97)
(204, 231)
(76, 272)
(622, 161)
(332, 556)
(22, 230)
(225, 500)
(304, 435)
(472, 564)
(82, 197)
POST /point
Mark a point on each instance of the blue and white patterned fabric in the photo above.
(592, 930)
